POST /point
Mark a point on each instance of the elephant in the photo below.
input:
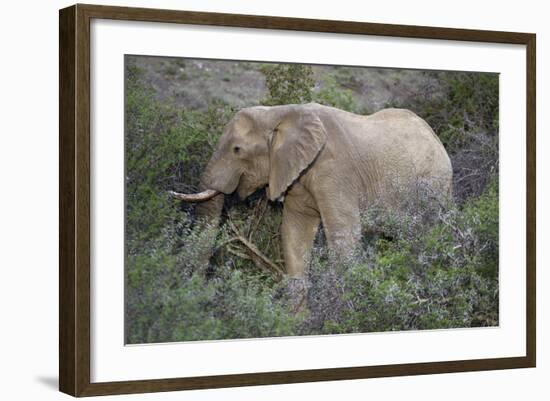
(326, 165)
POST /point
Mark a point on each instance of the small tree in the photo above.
(288, 84)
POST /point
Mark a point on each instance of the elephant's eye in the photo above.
(236, 150)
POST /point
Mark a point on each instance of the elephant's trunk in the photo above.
(208, 211)
(208, 214)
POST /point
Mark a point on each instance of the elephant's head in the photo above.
(263, 146)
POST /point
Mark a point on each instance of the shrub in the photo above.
(288, 83)
(165, 149)
(463, 110)
(332, 94)
(172, 294)
(416, 273)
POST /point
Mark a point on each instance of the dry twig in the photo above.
(258, 258)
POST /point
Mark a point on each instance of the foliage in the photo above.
(430, 264)
(332, 94)
(172, 297)
(171, 294)
(436, 266)
(294, 84)
(288, 83)
(463, 110)
(164, 148)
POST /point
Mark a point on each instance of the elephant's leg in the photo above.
(298, 232)
(342, 226)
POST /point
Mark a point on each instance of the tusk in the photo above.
(200, 197)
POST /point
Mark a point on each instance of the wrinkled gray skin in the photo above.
(325, 164)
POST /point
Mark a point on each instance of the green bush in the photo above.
(443, 273)
(464, 113)
(164, 148)
(332, 94)
(172, 296)
(288, 84)
(171, 293)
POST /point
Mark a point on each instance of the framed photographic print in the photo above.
(250, 200)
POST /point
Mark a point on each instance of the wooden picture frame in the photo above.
(74, 200)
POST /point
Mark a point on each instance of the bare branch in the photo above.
(260, 260)
(266, 262)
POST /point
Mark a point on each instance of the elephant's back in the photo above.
(408, 146)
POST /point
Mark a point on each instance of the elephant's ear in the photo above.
(295, 144)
